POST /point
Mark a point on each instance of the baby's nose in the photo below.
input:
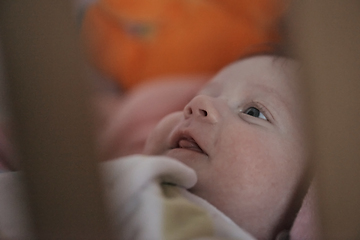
(203, 108)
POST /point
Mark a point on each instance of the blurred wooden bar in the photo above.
(53, 121)
(327, 38)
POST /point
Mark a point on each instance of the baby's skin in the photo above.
(243, 135)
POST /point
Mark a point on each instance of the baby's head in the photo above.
(243, 135)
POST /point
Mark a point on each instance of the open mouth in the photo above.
(189, 143)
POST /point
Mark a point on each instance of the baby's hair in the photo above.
(270, 49)
(277, 52)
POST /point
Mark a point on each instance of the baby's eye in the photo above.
(253, 111)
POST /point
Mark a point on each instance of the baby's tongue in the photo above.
(189, 144)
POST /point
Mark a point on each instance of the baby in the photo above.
(243, 136)
(240, 147)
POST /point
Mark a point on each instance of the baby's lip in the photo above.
(186, 141)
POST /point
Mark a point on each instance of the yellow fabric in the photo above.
(183, 219)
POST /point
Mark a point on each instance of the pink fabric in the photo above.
(130, 119)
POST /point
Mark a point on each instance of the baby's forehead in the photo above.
(265, 79)
(258, 70)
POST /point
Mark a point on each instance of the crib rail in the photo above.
(327, 37)
(52, 118)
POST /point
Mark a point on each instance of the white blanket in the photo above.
(147, 200)
(133, 186)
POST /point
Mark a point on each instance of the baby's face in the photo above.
(242, 134)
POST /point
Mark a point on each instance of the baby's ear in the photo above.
(306, 222)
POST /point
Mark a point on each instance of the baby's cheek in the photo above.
(260, 154)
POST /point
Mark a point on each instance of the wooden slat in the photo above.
(52, 118)
(326, 34)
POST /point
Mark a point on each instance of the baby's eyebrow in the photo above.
(273, 93)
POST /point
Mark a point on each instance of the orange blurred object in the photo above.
(134, 41)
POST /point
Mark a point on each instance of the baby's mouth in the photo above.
(189, 144)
